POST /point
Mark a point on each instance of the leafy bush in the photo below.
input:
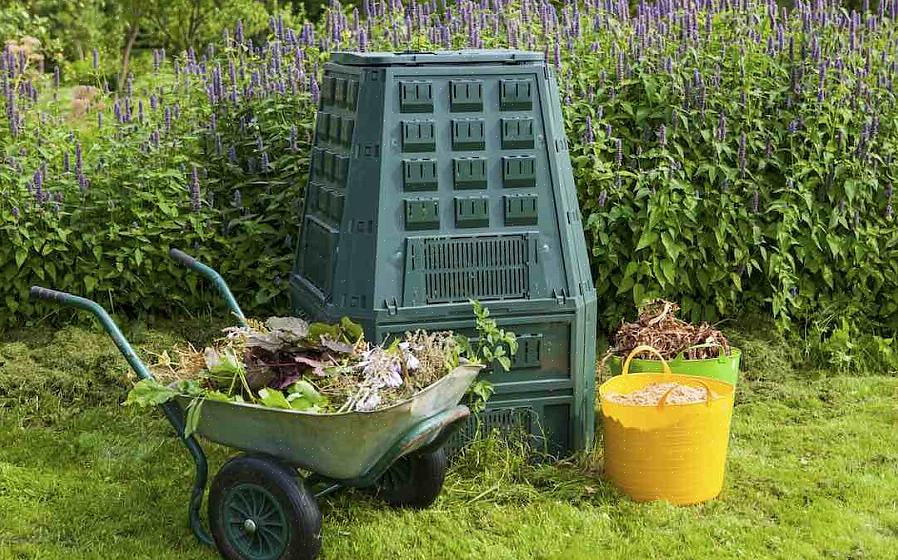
(735, 157)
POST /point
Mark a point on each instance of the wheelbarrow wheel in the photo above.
(414, 481)
(260, 510)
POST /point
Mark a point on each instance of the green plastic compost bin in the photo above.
(438, 178)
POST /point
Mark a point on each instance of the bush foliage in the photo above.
(734, 156)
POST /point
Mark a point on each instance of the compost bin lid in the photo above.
(406, 58)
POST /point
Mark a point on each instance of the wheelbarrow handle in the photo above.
(213, 276)
(182, 258)
(170, 409)
(38, 292)
(49, 295)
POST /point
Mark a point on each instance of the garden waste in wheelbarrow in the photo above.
(259, 506)
(342, 446)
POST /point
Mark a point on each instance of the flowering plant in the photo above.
(728, 155)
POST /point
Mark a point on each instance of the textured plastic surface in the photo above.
(467, 56)
(454, 184)
(724, 368)
(672, 452)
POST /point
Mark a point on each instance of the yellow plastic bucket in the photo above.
(672, 452)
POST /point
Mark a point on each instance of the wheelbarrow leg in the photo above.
(170, 409)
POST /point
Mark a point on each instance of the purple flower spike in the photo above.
(721, 127)
(95, 59)
(195, 202)
(38, 181)
(618, 152)
(662, 136)
(238, 32)
(741, 154)
(15, 212)
(755, 202)
(292, 140)
(363, 40)
(79, 157)
(313, 89)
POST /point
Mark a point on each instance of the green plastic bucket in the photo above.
(724, 368)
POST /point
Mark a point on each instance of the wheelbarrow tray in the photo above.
(341, 447)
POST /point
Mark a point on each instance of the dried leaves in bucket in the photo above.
(657, 326)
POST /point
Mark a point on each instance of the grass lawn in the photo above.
(811, 474)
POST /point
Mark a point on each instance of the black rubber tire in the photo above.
(414, 481)
(296, 504)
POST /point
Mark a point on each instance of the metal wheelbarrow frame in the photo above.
(396, 451)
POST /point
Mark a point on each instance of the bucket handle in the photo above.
(639, 350)
(663, 400)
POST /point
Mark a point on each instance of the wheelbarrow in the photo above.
(261, 507)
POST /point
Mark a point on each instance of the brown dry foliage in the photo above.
(29, 46)
(658, 327)
(84, 100)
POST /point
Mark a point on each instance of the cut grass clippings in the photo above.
(811, 474)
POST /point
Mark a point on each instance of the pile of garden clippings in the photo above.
(651, 395)
(316, 367)
(658, 327)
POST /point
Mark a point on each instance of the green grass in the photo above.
(811, 474)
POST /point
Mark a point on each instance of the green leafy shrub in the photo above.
(734, 158)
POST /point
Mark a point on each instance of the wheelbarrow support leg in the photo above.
(213, 276)
(170, 409)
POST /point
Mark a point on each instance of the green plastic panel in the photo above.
(437, 178)
(422, 213)
(346, 131)
(516, 95)
(480, 56)
(468, 134)
(419, 174)
(469, 172)
(519, 171)
(456, 269)
(472, 211)
(521, 209)
(517, 132)
(466, 96)
(416, 96)
(327, 90)
(418, 136)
